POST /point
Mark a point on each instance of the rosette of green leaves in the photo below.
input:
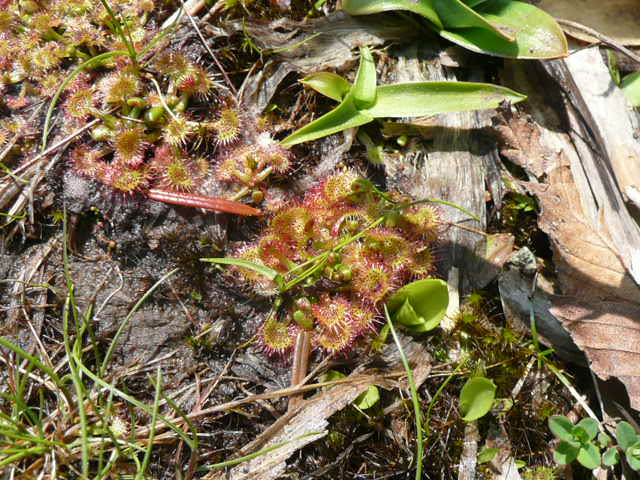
(421, 305)
(504, 28)
(365, 101)
(577, 442)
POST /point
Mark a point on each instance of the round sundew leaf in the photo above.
(328, 84)
(589, 456)
(561, 427)
(626, 435)
(428, 298)
(476, 398)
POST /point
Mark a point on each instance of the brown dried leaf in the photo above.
(586, 263)
(609, 333)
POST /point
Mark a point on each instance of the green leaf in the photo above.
(455, 15)
(267, 272)
(631, 87)
(364, 86)
(476, 398)
(632, 454)
(368, 398)
(589, 456)
(431, 98)
(536, 33)
(407, 316)
(367, 7)
(428, 298)
(611, 457)
(590, 426)
(328, 84)
(344, 116)
(565, 453)
(487, 454)
(626, 435)
(561, 427)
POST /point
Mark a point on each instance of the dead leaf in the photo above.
(492, 251)
(586, 263)
(617, 19)
(609, 334)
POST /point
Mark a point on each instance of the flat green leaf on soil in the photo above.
(428, 299)
(590, 426)
(328, 84)
(418, 99)
(455, 15)
(476, 398)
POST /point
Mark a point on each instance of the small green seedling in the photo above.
(503, 28)
(364, 101)
(578, 442)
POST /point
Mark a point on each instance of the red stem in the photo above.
(201, 201)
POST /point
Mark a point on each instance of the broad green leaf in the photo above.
(428, 298)
(631, 87)
(344, 116)
(476, 398)
(561, 427)
(368, 398)
(267, 272)
(474, 3)
(626, 435)
(632, 454)
(367, 7)
(611, 457)
(487, 454)
(407, 316)
(419, 99)
(590, 426)
(589, 456)
(565, 453)
(364, 86)
(455, 15)
(536, 33)
(328, 84)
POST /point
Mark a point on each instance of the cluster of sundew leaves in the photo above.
(374, 248)
(148, 133)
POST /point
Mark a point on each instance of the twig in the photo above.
(600, 37)
(300, 366)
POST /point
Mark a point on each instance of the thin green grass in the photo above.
(414, 397)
